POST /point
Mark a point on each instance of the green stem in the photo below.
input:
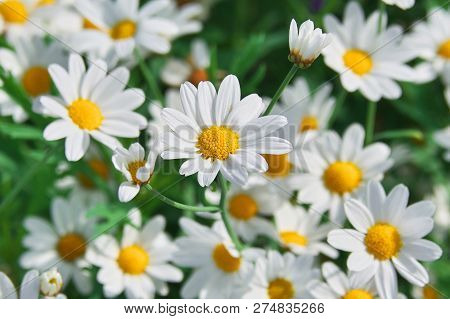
(381, 10)
(280, 90)
(26, 177)
(180, 205)
(151, 81)
(337, 107)
(413, 134)
(224, 213)
(370, 121)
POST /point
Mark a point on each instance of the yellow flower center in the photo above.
(85, 114)
(292, 237)
(357, 294)
(133, 168)
(279, 165)
(223, 259)
(36, 81)
(198, 76)
(358, 61)
(99, 167)
(444, 50)
(133, 260)
(429, 292)
(14, 11)
(280, 288)
(87, 24)
(42, 3)
(123, 30)
(342, 177)
(242, 206)
(383, 241)
(71, 246)
(217, 142)
(308, 123)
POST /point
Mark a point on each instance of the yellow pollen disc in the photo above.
(357, 294)
(280, 288)
(444, 49)
(383, 241)
(123, 30)
(292, 237)
(279, 165)
(342, 177)
(87, 24)
(217, 142)
(242, 206)
(14, 11)
(308, 123)
(133, 259)
(198, 76)
(85, 114)
(99, 167)
(42, 3)
(133, 168)
(429, 292)
(223, 259)
(36, 81)
(71, 246)
(358, 61)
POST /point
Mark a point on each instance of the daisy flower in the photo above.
(300, 232)
(220, 271)
(136, 169)
(51, 284)
(62, 242)
(402, 4)
(94, 104)
(338, 285)
(282, 277)
(187, 15)
(306, 43)
(220, 132)
(442, 138)
(121, 24)
(28, 63)
(194, 69)
(139, 264)
(337, 168)
(367, 60)
(387, 238)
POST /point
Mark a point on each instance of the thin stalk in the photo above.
(413, 134)
(151, 81)
(370, 121)
(180, 205)
(280, 90)
(224, 213)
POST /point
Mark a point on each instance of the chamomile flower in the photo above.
(338, 285)
(220, 271)
(282, 277)
(387, 238)
(186, 16)
(306, 43)
(94, 104)
(300, 232)
(121, 24)
(220, 132)
(62, 242)
(336, 168)
(136, 169)
(28, 64)
(140, 264)
(402, 4)
(368, 60)
(442, 138)
(194, 69)
(51, 283)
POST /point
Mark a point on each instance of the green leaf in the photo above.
(109, 216)
(21, 131)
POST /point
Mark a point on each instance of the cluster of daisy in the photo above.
(277, 185)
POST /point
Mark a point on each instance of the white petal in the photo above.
(128, 191)
(358, 215)
(359, 260)
(386, 280)
(76, 145)
(346, 240)
(411, 269)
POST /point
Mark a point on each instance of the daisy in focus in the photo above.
(387, 238)
(136, 169)
(220, 271)
(94, 104)
(28, 63)
(336, 168)
(368, 60)
(217, 131)
(62, 242)
(300, 232)
(282, 277)
(402, 4)
(139, 264)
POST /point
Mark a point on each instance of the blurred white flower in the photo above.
(368, 60)
(442, 138)
(94, 104)
(387, 238)
(403, 4)
(441, 198)
(186, 16)
(306, 43)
